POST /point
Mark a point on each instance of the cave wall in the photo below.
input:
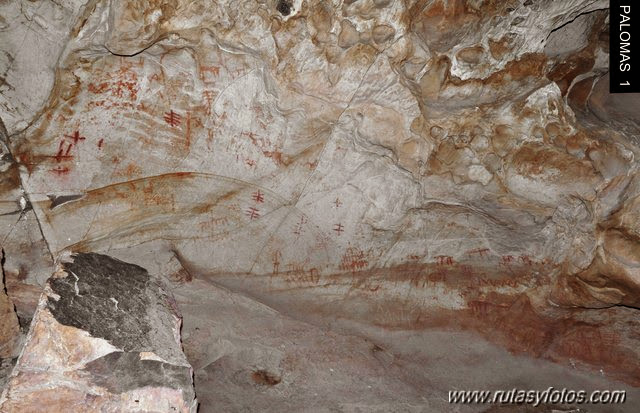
(404, 164)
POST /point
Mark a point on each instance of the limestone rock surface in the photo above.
(406, 165)
(248, 357)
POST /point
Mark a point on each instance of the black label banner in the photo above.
(624, 59)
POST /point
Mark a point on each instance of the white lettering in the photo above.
(624, 19)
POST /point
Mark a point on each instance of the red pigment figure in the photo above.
(506, 259)
(258, 196)
(444, 260)
(338, 228)
(480, 251)
(208, 96)
(62, 154)
(172, 118)
(276, 262)
(299, 229)
(214, 70)
(526, 260)
(338, 203)
(60, 170)
(75, 137)
(253, 213)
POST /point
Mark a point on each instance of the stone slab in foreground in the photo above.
(105, 337)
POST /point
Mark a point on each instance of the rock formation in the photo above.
(9, 327)
(104, 338)
(361, 165)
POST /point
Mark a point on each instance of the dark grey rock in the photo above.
(116, 301)
(120, 372)
(105, 297)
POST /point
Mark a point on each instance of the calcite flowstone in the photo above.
(106, 338)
